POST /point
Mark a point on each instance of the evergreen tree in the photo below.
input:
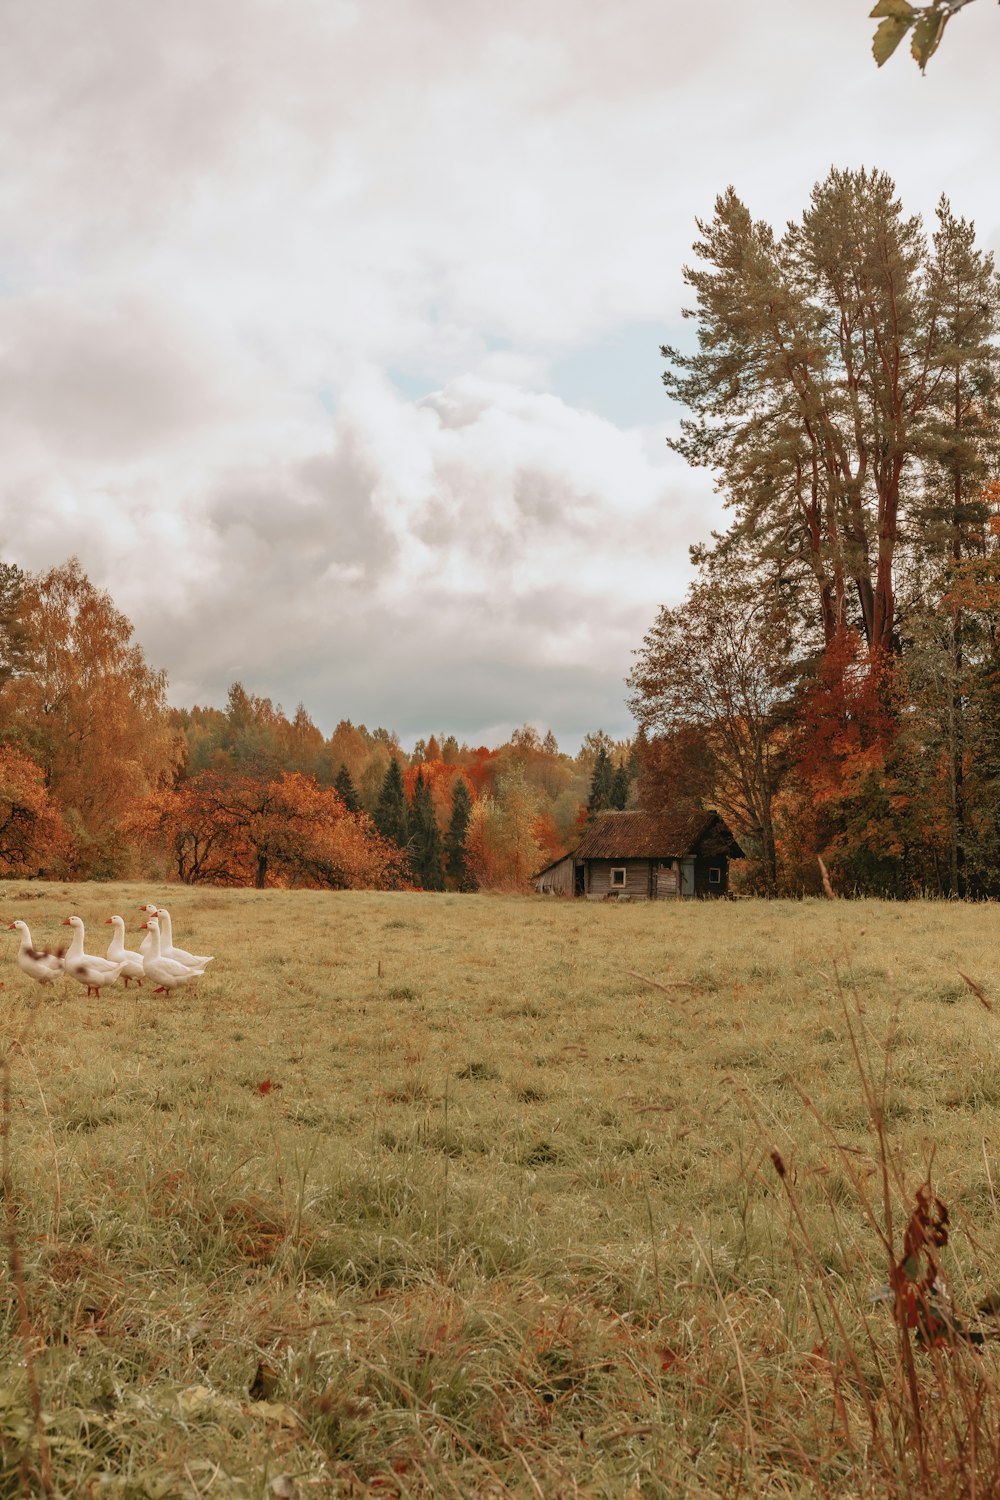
(425, 840)
(953, 510)
(601, 784)
(344, 786)
(811, 391)
(14, 644)
(391, 815)
(455, 842)
(621, 782)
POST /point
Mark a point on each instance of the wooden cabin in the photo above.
(640, 856)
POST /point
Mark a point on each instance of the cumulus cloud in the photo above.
(232, 232)
(485, 541)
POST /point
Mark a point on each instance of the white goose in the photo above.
(167, 948)
(131, 962)
(88, 968)
(37, 963)
(167, 972)
(146, 946)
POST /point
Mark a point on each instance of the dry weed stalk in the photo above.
(947, 1410)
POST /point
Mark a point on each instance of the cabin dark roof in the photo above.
(643, 835)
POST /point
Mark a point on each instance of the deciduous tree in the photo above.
(722, 665)
(229, 829)
(87, 706)
(32, 832)
(503, 851)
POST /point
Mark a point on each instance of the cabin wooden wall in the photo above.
(640, 883)
(703, 865)
(559, 880)
(636, 885)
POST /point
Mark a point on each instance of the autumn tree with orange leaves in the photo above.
(88, 708)
(502, 850)
(33, 835)
(233, 830)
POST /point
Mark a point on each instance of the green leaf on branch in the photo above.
(898, 10)
(887, 38)
(926, 35)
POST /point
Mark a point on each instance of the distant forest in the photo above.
(101, 779)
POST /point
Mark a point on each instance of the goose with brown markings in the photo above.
(88, 968)
(38, 963)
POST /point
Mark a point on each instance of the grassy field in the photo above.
(419, 1194)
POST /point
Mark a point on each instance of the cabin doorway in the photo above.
(580, 880)
(687, 877)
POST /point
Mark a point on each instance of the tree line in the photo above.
(101, 779)
(832, 679)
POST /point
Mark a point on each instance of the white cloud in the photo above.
(485, 524)
(221, 220)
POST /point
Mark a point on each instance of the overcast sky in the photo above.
(329, 329)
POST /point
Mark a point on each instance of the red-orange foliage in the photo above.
(480, 769)
(864, 794)
(847, 723)
(548, 838)
(288, 831)
(677, 770)
(32, 832)
(501, 846)
(89, 707)
(439, 777)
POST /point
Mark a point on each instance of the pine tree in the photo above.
(601, 784)
(621, 783)
(818, 349)
(425, 840)
(391, 816)
(963, 297)
(455, 842)
(344, 786)
(14, 645)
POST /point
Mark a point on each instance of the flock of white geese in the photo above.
(157, 957)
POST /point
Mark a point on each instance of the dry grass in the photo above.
(421, 1195)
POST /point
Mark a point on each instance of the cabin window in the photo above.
(714, 875)
(618, 877)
